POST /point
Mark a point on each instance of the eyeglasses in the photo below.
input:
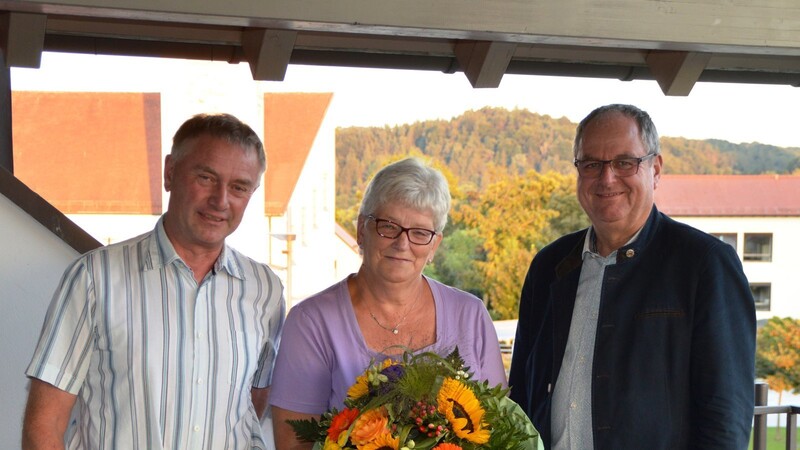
(621, 167)
(391, 230)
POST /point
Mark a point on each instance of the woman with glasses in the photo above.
(388, 307)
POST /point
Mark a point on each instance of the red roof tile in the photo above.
(729, 195)
(90, 152)
(291, 124)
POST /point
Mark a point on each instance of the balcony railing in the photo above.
(760, 420)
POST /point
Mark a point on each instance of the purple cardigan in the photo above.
(323, 351)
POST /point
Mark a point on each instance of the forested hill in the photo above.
(478, 145)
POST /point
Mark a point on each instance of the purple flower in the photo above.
(393, 372)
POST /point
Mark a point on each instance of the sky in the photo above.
(377, 97)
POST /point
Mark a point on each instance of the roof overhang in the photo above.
(676, 43)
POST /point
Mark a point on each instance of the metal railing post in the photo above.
(760, 421)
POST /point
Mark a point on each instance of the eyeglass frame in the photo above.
(402, 230)
(610, 163)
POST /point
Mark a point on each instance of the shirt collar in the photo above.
(162, 253)
(590, 243)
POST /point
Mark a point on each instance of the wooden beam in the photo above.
(677, 72)
(45, 213)
(6, 141)
(483, 62)
(268, 52)
(23, 38)
(763, 27)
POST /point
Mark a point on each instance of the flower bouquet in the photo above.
(421, 402)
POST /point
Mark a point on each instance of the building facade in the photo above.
(759, 215)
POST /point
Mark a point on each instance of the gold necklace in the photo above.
(394, 329)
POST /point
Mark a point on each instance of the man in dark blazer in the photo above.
(638, 332)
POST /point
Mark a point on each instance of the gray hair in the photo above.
(647, 129)
(412, 183)
(221, 126)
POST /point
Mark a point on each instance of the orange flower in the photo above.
(341, 422)
(446, 446)
(384, 441)
(369, 426)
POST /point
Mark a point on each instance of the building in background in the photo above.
(759, 215)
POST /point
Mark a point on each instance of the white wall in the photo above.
(311, 214)
(31, 265)
(783, 272)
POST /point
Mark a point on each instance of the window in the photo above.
(758, 247)
(761, 294)
(728, 238)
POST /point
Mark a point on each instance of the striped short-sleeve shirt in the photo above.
(156, 360)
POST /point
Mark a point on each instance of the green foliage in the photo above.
(310, 430)
(755, 158)
(778, 354)
(683, 156)
(454, 262)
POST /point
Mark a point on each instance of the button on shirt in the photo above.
(156, 360)
(571, 425)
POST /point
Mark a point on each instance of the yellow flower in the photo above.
(384, 441)
(463, 410)
(361, 387)
(331, 445)
(369, 426)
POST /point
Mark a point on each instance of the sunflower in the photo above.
(359, 388)
(384, 441)
(463, 410)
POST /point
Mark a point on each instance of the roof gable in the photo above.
(291, 124)
(90, 152)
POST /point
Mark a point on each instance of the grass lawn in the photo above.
(772, 443)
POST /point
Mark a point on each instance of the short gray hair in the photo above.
(222, 126)
(411, 183)
(647, 129)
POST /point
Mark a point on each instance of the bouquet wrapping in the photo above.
(421, 402)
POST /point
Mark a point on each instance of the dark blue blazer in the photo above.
(674, 358)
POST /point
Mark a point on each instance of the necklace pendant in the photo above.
(394, 331)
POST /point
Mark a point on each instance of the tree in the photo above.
(454, 262)
(512, 218)
(778, 355)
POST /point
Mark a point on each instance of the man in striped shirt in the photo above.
(167, 340)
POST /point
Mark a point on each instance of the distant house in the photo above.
(759, 215)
